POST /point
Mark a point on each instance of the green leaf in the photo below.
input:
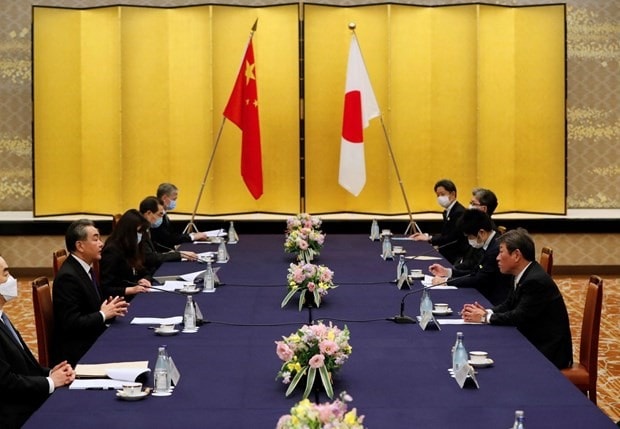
(288, 297)
(327, 383)
(309, 382)
(295, 380)
(317, 297)
(302, 299)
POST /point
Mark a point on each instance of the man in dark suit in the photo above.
(484, 274)
(24, 384)
(164, 235)
(535, 305)
(450, 242)
(80, 312)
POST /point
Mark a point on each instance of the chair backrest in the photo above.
(115, 218)
(590, 327)
(43, 318)
(546, 259)
(501, 229)
(58, 257)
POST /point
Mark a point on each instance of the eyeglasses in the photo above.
(474, 203)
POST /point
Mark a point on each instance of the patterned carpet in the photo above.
(573, 288)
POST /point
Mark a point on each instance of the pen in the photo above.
(99, 388)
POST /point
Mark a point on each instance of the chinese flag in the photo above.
(242, 110)
(360, 106)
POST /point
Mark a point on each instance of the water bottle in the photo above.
(209, 278)
(232, 233)
(519, 420)
(374, 230)
(222, 253)
(162, 371)
(426, 305)
(189, 316)
(387, 247)
(459, 357)
(400, 267)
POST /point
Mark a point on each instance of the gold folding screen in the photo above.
(128, 97)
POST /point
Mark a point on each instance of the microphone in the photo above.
(154, 287)
(401, 318)
(433, 249)
(200, 261)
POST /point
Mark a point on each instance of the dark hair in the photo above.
(165, 189)
(77, 232)
(448, 185)
(519, 239)
(473, 221)
(487, 198)
(150, 204)
(124, 237)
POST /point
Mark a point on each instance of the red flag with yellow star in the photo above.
(242, 110)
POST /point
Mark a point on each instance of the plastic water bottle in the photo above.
(189, 316)
(387, 247)
(459, 356)
(400, 267)
(209, 278)
(232, 233)
(222, 253)
(426, 305)
(519, 420)
(162, 371)
(374, 230)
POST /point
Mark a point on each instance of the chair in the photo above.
(584, 373)
(501, 229)
(43, 318)
(58, 257)
(546, 259)
(115, 218)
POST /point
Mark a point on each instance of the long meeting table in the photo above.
(397, 374)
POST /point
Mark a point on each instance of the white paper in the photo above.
(157, 320)
(424, 258)
(190, 277)
(216, 233)
(125, 374)
(170, 286)
(96, 383)
(456, 322)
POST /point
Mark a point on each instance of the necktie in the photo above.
(94, 280)
(8, 325)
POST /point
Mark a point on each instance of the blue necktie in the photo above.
(9, 326)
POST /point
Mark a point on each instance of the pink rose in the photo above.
(283, 351)
(311, 286)
(316, 361)
(328, 347)
(302, 244)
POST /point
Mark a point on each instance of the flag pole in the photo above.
(412, 223)
(191, 226)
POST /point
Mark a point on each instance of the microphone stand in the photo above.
(401, 318)
(432, 250)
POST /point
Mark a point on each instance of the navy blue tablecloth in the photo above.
(397, 374)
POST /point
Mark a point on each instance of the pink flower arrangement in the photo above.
(304, 237)
(313, 349)
(306, 414)
(308, 279)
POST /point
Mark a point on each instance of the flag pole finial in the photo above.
(255, 25)
(352, 25)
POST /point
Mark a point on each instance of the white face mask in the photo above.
(8, 289)
(474, 243)
(443, 201)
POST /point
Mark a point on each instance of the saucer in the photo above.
(487, 362)
(189, 291)
(442, 313)
(121, 395)
(166, 333)
(417, 277)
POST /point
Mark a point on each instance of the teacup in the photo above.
(132, 389)
(478, 357)
(397, 249)
(166, 328)
(417, 274)
(188, 287)
(441, 307)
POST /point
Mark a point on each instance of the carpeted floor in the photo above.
(573, 288)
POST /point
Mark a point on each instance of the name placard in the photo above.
(466, 377)
(428, 322)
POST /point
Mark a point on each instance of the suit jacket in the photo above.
(449, 233)
(23, 382)
(166, 237)
(116, 273)
(485, 276)
(77, 320)
(537, 309)
(154, 258)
